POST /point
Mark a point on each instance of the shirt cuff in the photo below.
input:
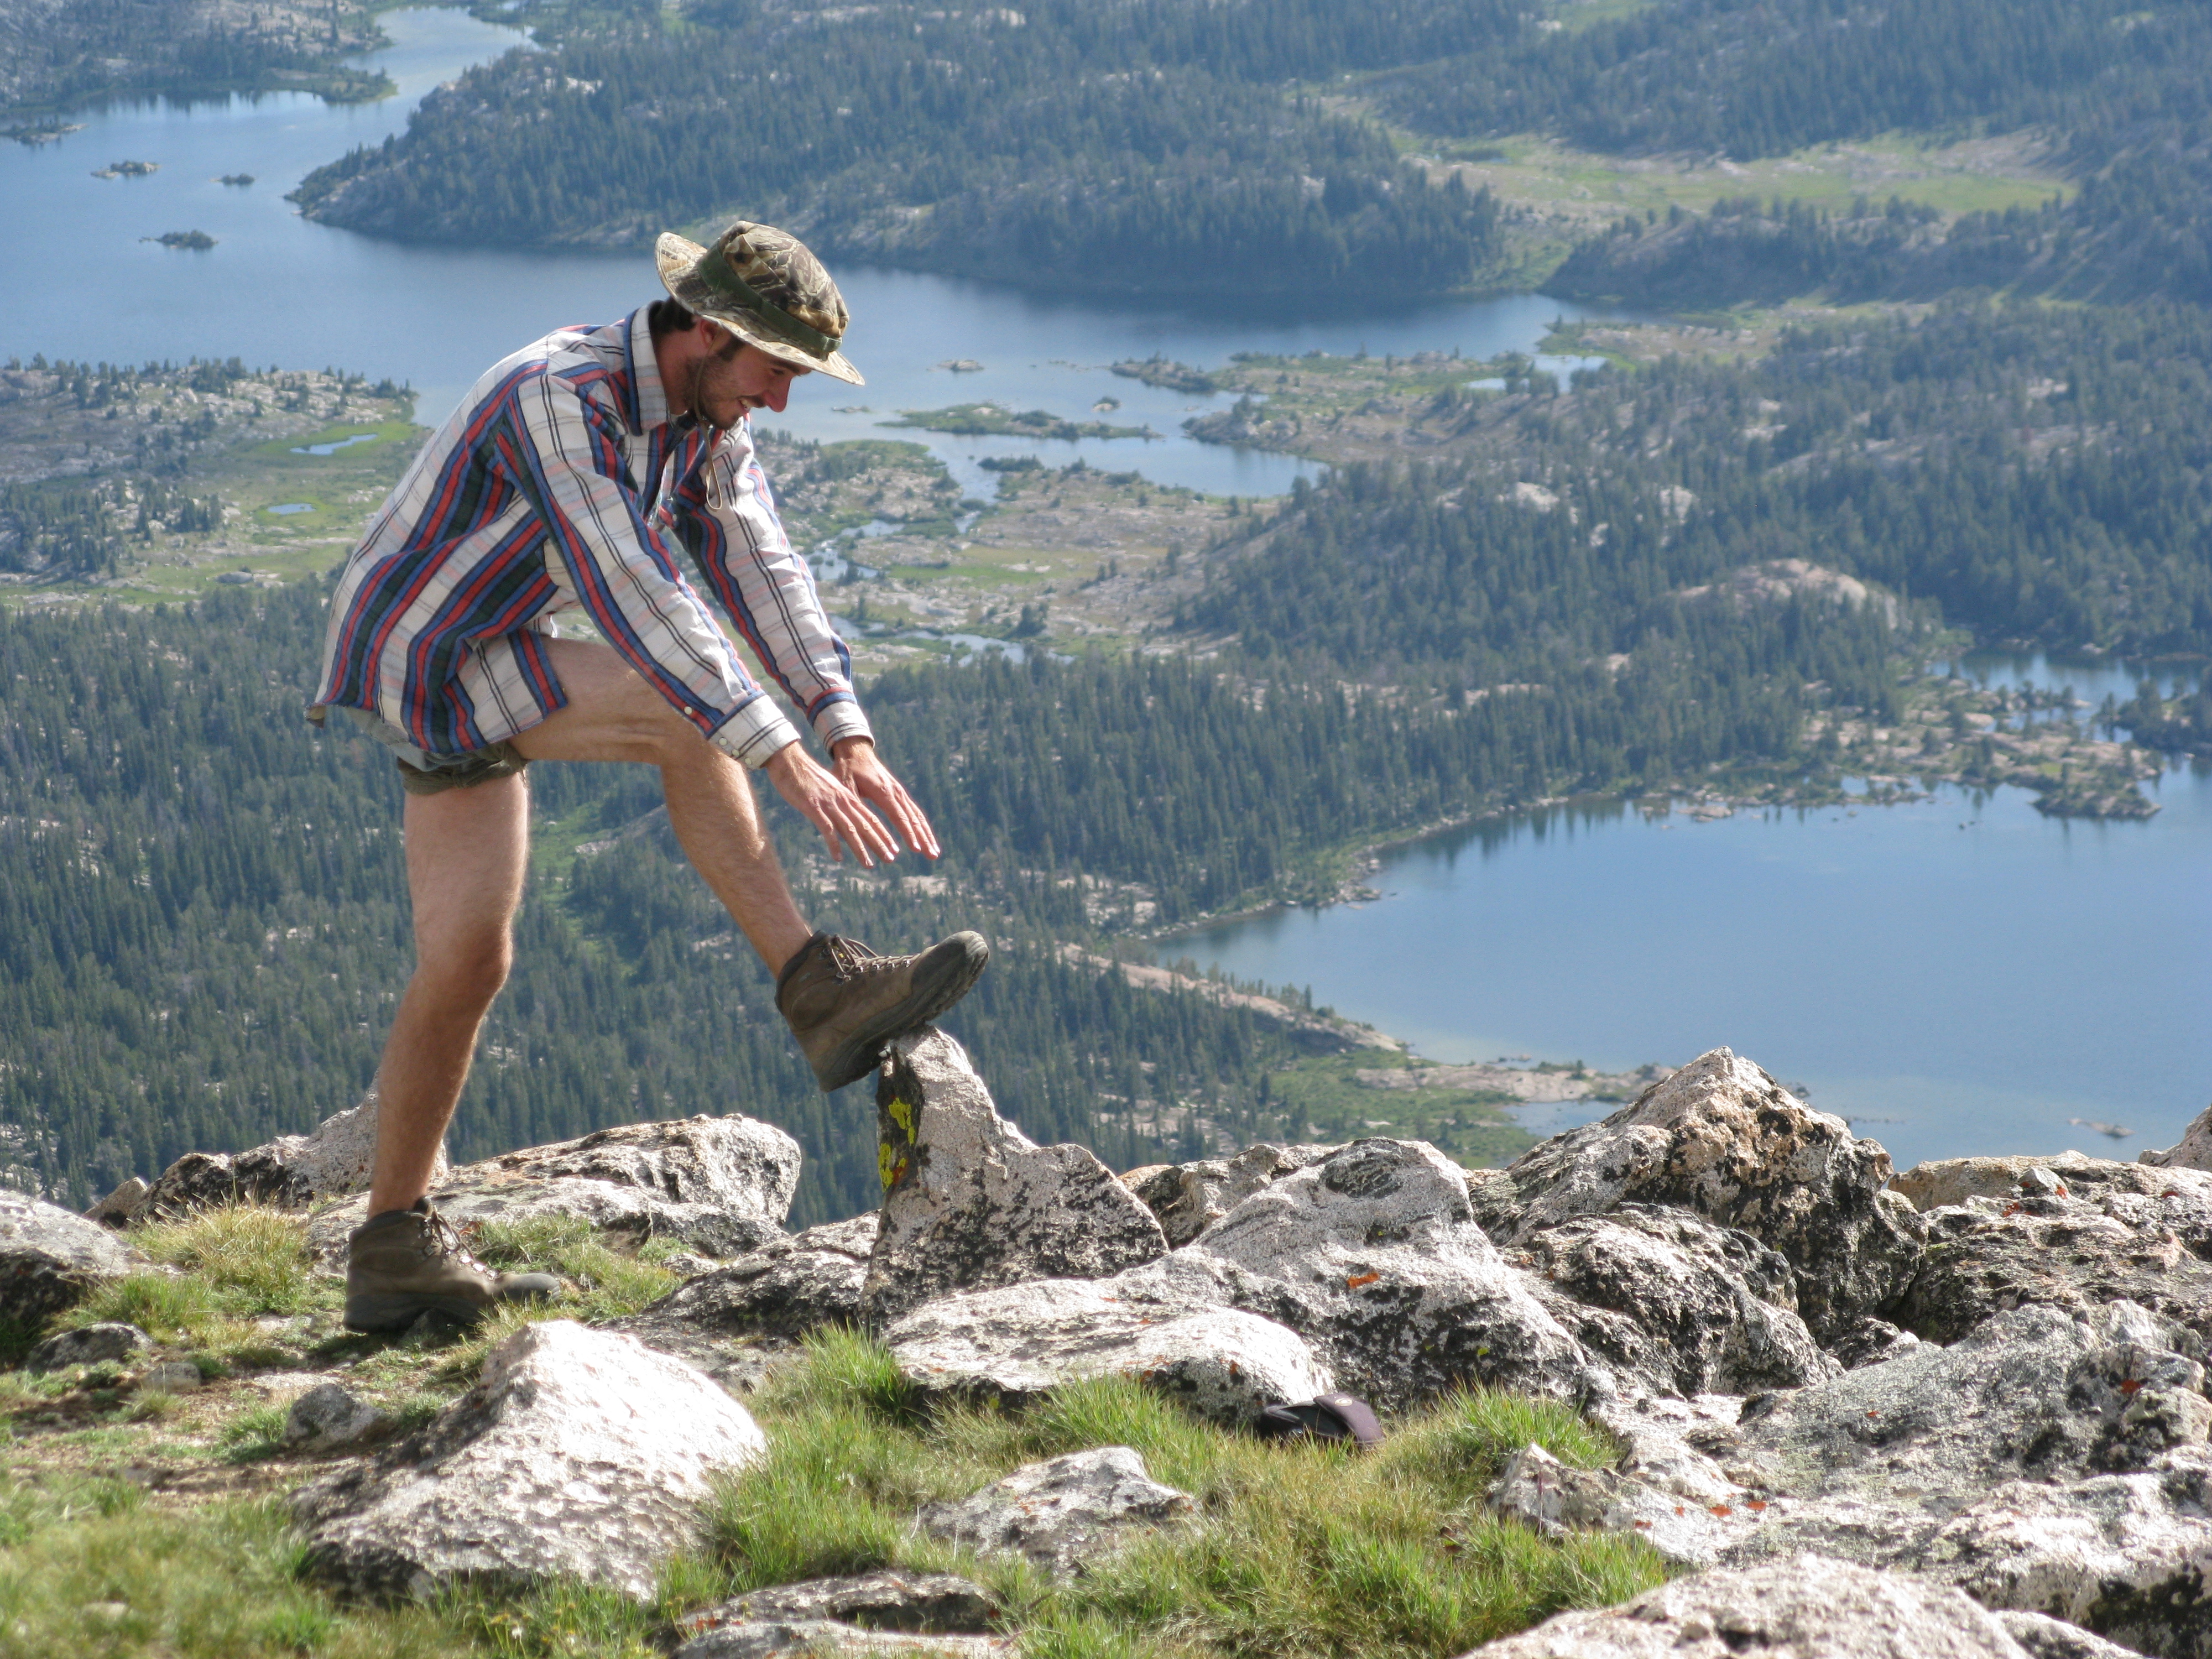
(839, 720)
(756, 734)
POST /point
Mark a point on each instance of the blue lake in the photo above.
(279, 289)
(1957, 976)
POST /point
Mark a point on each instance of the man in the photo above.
(567, 479)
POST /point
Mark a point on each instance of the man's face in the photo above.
(732, 379)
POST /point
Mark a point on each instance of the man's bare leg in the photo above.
(614, 715)
(466, 851)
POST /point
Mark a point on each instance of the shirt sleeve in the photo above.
(565, 453)
(726, 516)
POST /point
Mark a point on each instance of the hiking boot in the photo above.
(405, 1263)
(845, 1002)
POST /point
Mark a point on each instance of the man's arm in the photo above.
(564, 452)
(727, 515)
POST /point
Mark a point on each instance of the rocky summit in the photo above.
(1960, 1409)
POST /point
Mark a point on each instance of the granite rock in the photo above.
(825, 1638)
(1062, 1514)
(330, 1417)
(1016, 1342)
(1674, 1301)
(721, 1185)
(1805, 1608)
(2192, 1152)
(581, 1454)
(1373, 1255)
(122, 1206)
(1721, 1138)
(1188, 1198)
(2045, 1638)
(52, 1258)
(2118, 1232)
(919, 1604)
(291, 1172)
(786, 1287)
(88, 1344)
(971, 1203)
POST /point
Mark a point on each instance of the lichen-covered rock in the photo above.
(1064, 1513)
(122, 1206)
(721, 1185)
(330, 1417)
(1537, 1490)
(52, 1258)
(1721, 1138)
(1020, 1340)
(1674, 1301)
(787, 1287)
(739, 1320)
(825, 1638)
(2051, 1462)
(1806, 1608)
(1939, 1182)
(291, 1172)
(2192, 1152)
(2045, 1638)
(88, 1344)
(2118, 1232)
(926, 1603)
(1870, 1341)
(581, 1454)
(1373, 1255)
(972, 1203)
(1188, 1198)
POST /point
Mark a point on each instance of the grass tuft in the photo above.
(1305, 1549)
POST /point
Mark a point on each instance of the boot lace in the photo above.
(441, 1239)
(849, 957)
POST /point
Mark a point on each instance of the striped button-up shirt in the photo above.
(562, 481)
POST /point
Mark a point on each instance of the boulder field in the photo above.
(1959, 1410)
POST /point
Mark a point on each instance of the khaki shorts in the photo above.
(422, 773)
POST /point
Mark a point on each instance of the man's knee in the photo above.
(467, 970)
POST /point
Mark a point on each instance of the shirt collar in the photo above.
(648, 400)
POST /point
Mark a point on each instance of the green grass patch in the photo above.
(1304, 1550)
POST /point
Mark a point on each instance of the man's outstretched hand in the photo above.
(838, 804)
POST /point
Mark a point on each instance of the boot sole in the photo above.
(398, 1311)
(859, 1055)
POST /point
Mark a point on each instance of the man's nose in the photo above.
(778, 394)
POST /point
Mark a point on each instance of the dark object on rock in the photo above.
(1674, 1300)
(1806, 1604)
(1721, 1138)
(88, 1344)
(2123, 1232)
(928, 1603)
(581, 1454)
(970, 1202)
(330, 1417)
(1064, 1513)
(1325, 1417)
(52, 1258)
(122, 1206)
(719, 1184)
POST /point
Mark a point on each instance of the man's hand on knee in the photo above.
(831, 806)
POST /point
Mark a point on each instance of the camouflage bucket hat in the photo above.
(766, 288)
